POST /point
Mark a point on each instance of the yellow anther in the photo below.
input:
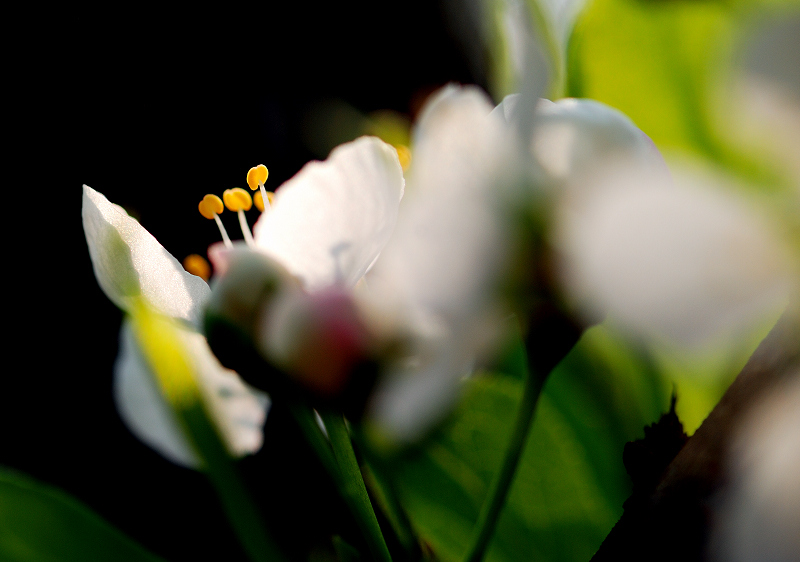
(237, 199)
(404, 155)
(210, 206)
(197, 265)
(259, 200)
(257, 176)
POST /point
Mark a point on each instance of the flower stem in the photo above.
(174, 374)
(385, 494)
(353, 488)
(498, 491)
(243, 515)
(337, 456)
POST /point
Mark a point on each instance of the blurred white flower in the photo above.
(472, 177)
(662, 257)
(673, 255)
(682, 261)
(439, 275)
(757, 513)
(761, 104)
(130, 264)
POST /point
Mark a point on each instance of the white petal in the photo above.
(576, 141)
(128, 261)
(142, 407)
(451, 239)
(331, 220)
(441, 270)
(757, 512)
(507, 108)
(687, 262)
(412, 399)
(240, 411)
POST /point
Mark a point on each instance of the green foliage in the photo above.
(41, 523)
(669, 66)
(654, 61)
(570, 484)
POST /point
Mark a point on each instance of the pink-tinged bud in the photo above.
(244, 282)
(320, 339)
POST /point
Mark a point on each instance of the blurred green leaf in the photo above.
(653, 61)
(570, 484)
(41, 523)
(669, 66)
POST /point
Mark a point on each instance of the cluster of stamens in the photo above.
(236, 200)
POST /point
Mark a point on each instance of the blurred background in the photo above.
(155, 108)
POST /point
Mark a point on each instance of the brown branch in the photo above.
(670, 520)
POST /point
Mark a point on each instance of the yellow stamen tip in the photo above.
(197, 265)
(256, 176)
(210, 205)
(259, 201)
(404, 155)
(237, 199)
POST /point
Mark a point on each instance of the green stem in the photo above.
(385, 494)
(353, 488)
(337, 456)
(243, 515)
(498, 491)
(173, 371)
(306, 420)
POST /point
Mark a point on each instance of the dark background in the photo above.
(155, 109)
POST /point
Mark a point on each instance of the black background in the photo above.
(155, 109)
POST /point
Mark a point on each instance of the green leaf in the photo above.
(654, 61)
(671, 66)
(41, 523)
(570, 484)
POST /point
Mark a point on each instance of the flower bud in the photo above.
(245, 282)
(319, 338)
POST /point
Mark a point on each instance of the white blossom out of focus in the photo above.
(439, 274)
(679, 259)
(757, 512)
(674, 255)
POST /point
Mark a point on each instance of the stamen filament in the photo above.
(264, 197)
(258, 200)
(248, 237)
(225, 238)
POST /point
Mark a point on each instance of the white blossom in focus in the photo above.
(326, 227)
(130, 264)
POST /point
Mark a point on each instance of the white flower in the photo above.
(129, 264)
(674, 262)
(330, 221)
(672, 255)
(326, 227)
(458, 238)
(684, 262)
(757, 510)
(438, 276)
